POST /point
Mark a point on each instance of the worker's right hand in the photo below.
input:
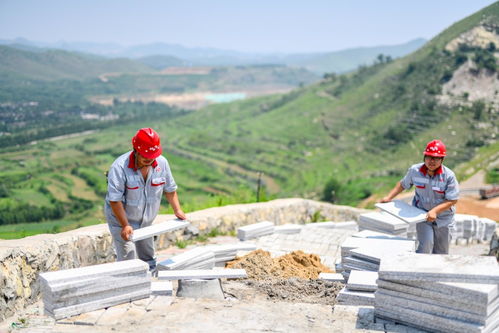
(385, 199)
(126, 232)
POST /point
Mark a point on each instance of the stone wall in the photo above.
(21, 260)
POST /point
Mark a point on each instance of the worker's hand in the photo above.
(126, 232)
(385, 199)
(431, 216)
(180, 214)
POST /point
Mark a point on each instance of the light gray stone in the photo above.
(382, 220)
(196, 288)
(403, 210)
(362, 281)
(382, 250)
(158, 229)
(350, 297)
(161, 288)
(372, 243)
(440, 268)
(376, 234)
(364, 265)
(288, 229)
(227, 273)
(335, 277)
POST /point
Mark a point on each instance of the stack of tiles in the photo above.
(439, 293)
(349, 225)
(360, 289)
(384, 223)
(255, 230)
(74, 291)
(471, 227)
(288, 229)
(228, 252)
(197, 258)
(364, 254)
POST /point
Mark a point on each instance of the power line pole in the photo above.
(258, 185)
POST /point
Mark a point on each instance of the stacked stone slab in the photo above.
(360, 289)
(74, 291)
(471, 227)
(439, 293)
(227, 252)
(384, 223)
(197, 258)
(255, 230)
(364, 254)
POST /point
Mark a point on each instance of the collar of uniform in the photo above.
(131, 162)
(424, 170)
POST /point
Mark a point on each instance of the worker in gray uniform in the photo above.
(437, 192)
(137, 181)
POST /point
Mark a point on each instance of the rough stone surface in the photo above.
(22, 259)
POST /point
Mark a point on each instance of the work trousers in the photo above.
(433, 239)
(126, 250)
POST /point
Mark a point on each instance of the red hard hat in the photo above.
(146, 142)
(435, 148)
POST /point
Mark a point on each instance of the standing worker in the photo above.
(437, 191)
(136, 183)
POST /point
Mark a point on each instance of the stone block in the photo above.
(403, 210)
(335, 277)
(157, 229)
(362, 281)
(226, 273)
(350, 297)
(440, 268)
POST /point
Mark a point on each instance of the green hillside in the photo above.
(346, 139)
(57, 64)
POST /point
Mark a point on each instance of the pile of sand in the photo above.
(259, 265)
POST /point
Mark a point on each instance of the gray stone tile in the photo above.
(362, 281)
(440, 268)
(350, 297)
(403, 210)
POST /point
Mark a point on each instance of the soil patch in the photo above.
(298, 290)
(259, 265)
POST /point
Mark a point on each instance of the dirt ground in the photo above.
(476, 206)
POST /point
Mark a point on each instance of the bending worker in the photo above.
(136, 183)
(437, 192)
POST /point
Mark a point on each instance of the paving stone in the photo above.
(403, 210)
(440, 268)
(202, 274)
(375, 234)
(372, 243)
(350, 297)
(386, 249)
(158, 229)
(362, 281)
(361, 264)
(335, 277)
(163, 288)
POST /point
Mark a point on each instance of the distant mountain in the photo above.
(41, 64)
(162, 61)
(320, 63)
(350, 59)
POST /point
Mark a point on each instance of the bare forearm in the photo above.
(393, 193)
(119, 212)
(444, 206)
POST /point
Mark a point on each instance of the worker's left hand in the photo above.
(431, 216)
(180, 214)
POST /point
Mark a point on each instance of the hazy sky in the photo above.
(250, 26)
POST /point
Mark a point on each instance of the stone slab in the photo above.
(440, 268)
(195, 258)
(95, 271)
(226, 273)
(396, 300)
(382, 220)
(456, 301)
(365, 265)
(376, 234)
(403, 210)
(350, 297)
(350, 225)
(288, 229)
(161, 288)
(158, 229)
(335, 277)
(431, 322)
(98, 304)
(372, 243)
(362, 281)
(382, 250)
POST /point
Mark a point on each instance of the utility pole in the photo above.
(258, 185)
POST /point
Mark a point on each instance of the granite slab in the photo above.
(377, 235)
(382, 220)
(161, 288)
(225, 273)
(158, 229)
(350, 297)
(335, 277)
(403, 210)
(397, 300)
(382, 250)
(440, 268)
(365, 265)
(362, 281)
(372, 243)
